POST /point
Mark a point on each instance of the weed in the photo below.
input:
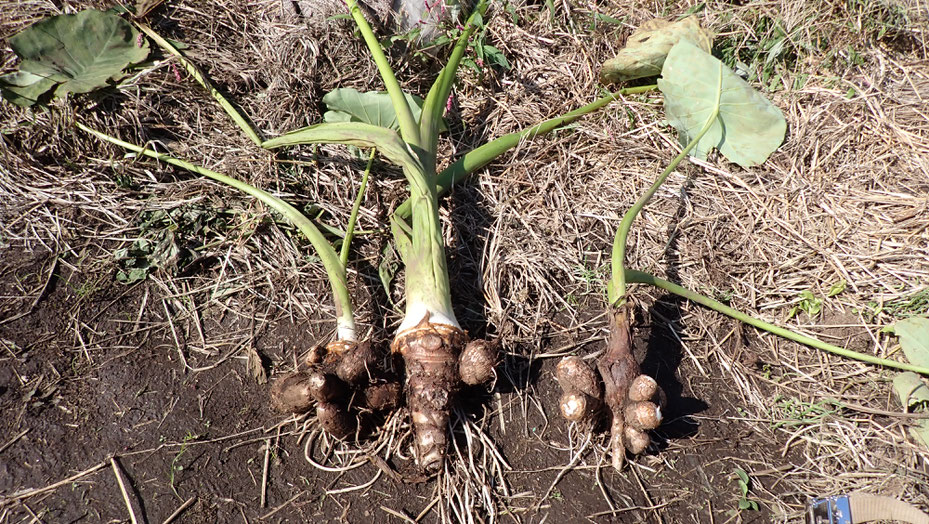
(913, 305)
(790, 412)
(837, 288)
(175, 467)
(592, 277)
(762, 54)
(597, 20)
(745, 485)
(168, 239)
(808, 303)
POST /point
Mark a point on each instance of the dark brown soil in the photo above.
(178, 435)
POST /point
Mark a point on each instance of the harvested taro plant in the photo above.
(350, 377)
(711, 108)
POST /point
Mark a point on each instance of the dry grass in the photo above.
(843, 199)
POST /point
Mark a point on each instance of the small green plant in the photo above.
(484, 54)
(175, 466)
(590, 276)
(744, 483)
(808, 303)
(790, 412)
(168, 239)
(812, 305)
(599, 19)
(913, 305)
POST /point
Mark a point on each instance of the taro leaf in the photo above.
(349, 105)
(912, 391)
(25, 89)
(647, 47)
(913, 334)
(914, 395)
(748, 127)
(360, 134)
(82, 52)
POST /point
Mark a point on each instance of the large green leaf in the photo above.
(387, 141)
(914, 396)
(81, 52)
(372, 107)
(648, 46)
(748, 128)
(25, 89)
(913, 334)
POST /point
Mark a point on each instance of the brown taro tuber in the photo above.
(292, 394)
(629, 396)
(438, 359)
(348, 378)
(581, 387)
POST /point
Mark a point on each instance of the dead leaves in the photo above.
(648, 46)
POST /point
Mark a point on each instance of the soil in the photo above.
(178, 435)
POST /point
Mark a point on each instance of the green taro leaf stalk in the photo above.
(335, 269)
(80, 52)
(747, 128)
(710, 107)
(484, 154)
(359, 134)
(633, 276)
(408, 128)
(202, 79)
